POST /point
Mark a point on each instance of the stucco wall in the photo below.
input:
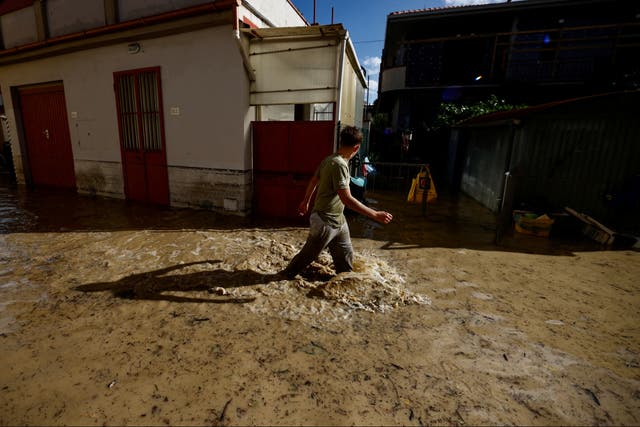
(352, 95)
(19, 27)
(132, 9)
(206, 111)
(70, 16)
(278, 12)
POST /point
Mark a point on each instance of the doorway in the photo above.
(46, 135)
(142, 140)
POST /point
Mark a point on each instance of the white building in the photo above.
(153, 100)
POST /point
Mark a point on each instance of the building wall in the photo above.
(133, 9)
(485, 165)
(206, 112)
(527, 52)
(19, 27)
(576, 158)
(61, 17)
(279, 13)
(394, 78)
(584, 155)
(348, 95)
(352, 96)
(70, 16)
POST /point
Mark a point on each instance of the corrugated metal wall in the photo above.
(583, 154)
(578, 154)
(485, 163)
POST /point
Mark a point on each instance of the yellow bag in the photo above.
(412, 192)
(421, 183)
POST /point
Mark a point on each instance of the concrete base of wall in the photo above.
(99, 178)
(221, 190)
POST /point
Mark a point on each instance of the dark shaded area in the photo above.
(450, 222)
(25, 209)
(151, 285)
(458, 222)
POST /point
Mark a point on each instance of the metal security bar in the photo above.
(128, 111)
(148, 83)
(392, 175)
(139, 112)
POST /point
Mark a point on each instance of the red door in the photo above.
(142, 142)
(286, 155)
(46, 131)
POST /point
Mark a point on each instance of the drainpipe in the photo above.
(245, 56)
(256, 12)
(507, 165)
(341, 58)
(504, 212)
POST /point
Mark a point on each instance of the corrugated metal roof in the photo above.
(517, 4)
(431, 9)
(582, 153)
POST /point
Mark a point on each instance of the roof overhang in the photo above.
(187, 19)
(299, 64)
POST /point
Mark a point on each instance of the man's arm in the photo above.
(303, 207)
(354, 204)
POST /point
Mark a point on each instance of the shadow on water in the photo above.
(450, 222)
(24, 210)
(454, 222)
(151, 285)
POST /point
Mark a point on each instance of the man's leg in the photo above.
(341, 250)
(320, 235)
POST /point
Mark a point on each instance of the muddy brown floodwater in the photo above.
(119, 314)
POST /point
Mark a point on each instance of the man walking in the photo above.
(327, 224)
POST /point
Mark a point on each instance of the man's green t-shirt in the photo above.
(333, 175)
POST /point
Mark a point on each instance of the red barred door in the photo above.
(142, 141)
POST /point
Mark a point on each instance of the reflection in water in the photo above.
(51, 210)
(13, 218)
(145, 252)
(98, 244)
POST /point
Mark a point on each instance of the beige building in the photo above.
(154, 101)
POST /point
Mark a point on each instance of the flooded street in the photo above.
(113, 313)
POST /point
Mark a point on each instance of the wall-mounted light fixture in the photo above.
(133, 48)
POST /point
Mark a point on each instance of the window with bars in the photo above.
(139, 115)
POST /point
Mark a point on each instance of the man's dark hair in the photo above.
(350, 136)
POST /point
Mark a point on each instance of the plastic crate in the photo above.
(531, 223)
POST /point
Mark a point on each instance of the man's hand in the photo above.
(352, 203)
(383, 217)
(303, 208)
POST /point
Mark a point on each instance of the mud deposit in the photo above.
(116, 314)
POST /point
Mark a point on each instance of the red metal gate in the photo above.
(285, 157)
(47, 138)
(142, 141)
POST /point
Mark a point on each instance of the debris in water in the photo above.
(224, 410)
(592, 395)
